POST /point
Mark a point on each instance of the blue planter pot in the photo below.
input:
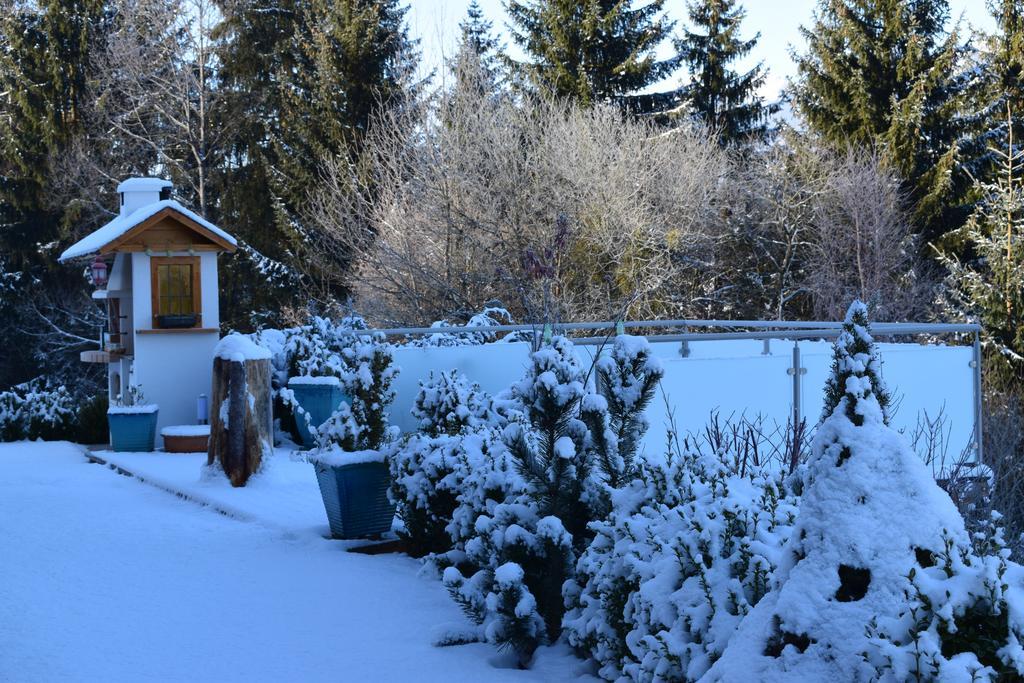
(356, 498)
(135, 432)
(319, 401)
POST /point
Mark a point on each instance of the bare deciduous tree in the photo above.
(475, 197)
(863, 245)
(152, 99)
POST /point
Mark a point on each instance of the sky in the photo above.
(435, 23)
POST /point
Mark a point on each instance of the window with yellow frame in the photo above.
(176, 293)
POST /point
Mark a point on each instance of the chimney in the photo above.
(138, 192)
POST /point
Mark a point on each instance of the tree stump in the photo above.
(240, 416)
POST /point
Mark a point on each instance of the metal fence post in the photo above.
(796, 371)
(978, 398)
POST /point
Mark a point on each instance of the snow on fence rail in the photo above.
(776, 372)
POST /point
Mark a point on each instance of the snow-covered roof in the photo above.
(143, 185)
(95, 241)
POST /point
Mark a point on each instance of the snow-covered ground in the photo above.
(105, 577)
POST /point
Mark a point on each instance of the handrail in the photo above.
(820, 329)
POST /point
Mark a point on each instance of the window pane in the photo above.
(163, 274)
(174, 289)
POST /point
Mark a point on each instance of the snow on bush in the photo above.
(492, 316)
(316, 349)
(428, 467)
(533, 529)
(37, 409)
(879, 579)
(964, 620)
(361, 422)
(523, 550)
(627, 378)
(855, 341)
(687, 550)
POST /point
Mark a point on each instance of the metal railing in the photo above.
(766, 330)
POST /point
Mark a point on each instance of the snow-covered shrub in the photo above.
(541, 528)
(627, 379)
(369, 374)
(449, 404)
(866, 564)
(316, 349)
(489, 478)
(37, 409)
(492, 316)
(964, 615)
(515, 593)
(361, 421)
(429, 466)
(686, 551)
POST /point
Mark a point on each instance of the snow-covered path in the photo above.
(105, 578)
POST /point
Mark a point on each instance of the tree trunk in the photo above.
(240, 417)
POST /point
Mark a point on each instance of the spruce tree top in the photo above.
(592, 52)
(724, 99)
(856, 371)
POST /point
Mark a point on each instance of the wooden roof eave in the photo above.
(168, 212)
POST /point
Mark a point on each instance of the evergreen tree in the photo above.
(305, 77)
(724, 99)
(475, 32)
(884, 72)
(477, 55)
(595, 51)
(256, 50)
(879, 579)
(988, 284)
(43, 74)
(355, 56)
(45, 47)
(997, 89)
(855, 353)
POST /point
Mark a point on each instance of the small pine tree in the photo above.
(723, 99)
(854, 354)
(627, 380)
(429, 467)
(542, 526)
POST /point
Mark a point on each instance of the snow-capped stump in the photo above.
(879, 580)
(240, 411)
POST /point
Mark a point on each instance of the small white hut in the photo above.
(163, 318)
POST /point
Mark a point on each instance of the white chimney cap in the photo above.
(143, 185)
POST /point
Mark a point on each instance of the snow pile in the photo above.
(686, 552)
(875, 540)
(239, 348)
